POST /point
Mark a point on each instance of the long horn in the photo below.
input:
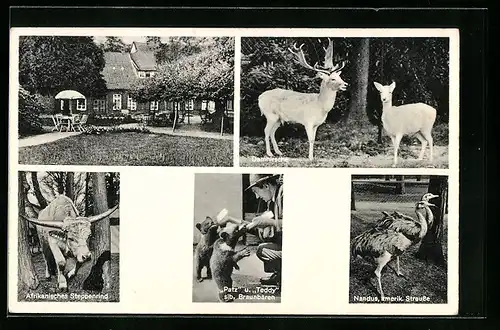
(102, 215)
(50, 224)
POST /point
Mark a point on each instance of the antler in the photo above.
(300, 58)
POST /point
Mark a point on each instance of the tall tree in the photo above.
(36, 188)
(100, 244)
(70, 185)
(361, 64)
(27, 275)
(49, 64)
(114, 44)
(431, 247)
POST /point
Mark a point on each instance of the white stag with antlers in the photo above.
(309, 109)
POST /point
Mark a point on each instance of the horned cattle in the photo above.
(63, 236)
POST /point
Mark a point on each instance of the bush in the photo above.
(96, 130)
(111, 120)
(29, 111)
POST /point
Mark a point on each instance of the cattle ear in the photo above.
(198, 225)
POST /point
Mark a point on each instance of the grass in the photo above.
(130, 149)
(422, 278)
(341, 146)
(49, 287)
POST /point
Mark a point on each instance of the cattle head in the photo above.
(74, 232)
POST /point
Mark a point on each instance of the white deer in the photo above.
(408, 119)
(309, 109)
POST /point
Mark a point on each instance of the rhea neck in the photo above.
(425, 218)
(326, 96)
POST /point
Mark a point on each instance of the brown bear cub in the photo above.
(225, 258)
(203, 252)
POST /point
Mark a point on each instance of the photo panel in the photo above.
(399, 239)
(237, 238)
(68, 236)
(99, 100)
(335, 101)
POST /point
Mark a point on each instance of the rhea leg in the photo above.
(311, 136)
(273, 138)
(424, 145)
(381, 262)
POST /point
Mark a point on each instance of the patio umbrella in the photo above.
(69, 95)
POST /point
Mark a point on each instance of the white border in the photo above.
(163, 298)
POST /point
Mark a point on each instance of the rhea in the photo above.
(378, 244)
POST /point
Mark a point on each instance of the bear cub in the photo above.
(204, 249)
(225, 258)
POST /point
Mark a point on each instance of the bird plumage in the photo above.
(374, 242)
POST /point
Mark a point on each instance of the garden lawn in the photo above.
(132, 149)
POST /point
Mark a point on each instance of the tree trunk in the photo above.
(359, 89)
(87, 194)
(70, 185)
(400, 186)
(38, 194)
(380, 128)
(353, 201)
(431, 248)
(26, 272)
(60, 183)
(94, 275)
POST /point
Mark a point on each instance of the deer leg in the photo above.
(381, 262)
(424, 145)
(267, 136)
(311, 136)
(273, 139)
(428, 137)
(396, 141)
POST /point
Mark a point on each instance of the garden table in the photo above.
(68, 121)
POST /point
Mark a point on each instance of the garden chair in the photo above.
(80, 123)
(56, 120)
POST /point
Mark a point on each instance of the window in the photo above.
(176, 105)
(117, 101)
(204, 105)
(229, 105)
(148, 74)
(81, 104)
(189, 105)
(131, 103)
(99, 105)
(62, 104)
(153, 105)
(211, 106)
(142, 74)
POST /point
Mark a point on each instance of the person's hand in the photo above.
(261, 222)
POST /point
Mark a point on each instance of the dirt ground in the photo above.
(323, 159)
(246, 281)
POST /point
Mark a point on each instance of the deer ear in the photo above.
(392, 86)
(377, 86)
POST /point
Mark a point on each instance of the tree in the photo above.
(360, 66)
(114, 44)
(29, 111)
(431, 247)
(27, 275)
(69, 185)
(49, 64)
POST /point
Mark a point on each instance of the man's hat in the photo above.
(258, 178)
